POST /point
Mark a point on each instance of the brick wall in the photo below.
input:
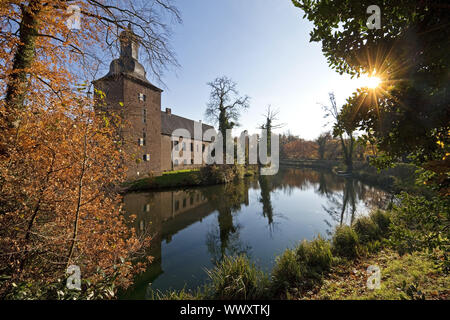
(137, 123)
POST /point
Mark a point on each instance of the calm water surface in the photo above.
(194, 228)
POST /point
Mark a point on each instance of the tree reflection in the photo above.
(224, 239)
(265, 187)
(342, 204)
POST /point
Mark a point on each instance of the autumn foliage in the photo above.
(60, 161)
(300, 149)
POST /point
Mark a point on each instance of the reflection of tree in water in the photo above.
(267, 185)
(342, 206)
(264, 184)
(225, 238)
(343, 203)
(225, 241)
(374, 198)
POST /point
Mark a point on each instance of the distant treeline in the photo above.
(325, 147)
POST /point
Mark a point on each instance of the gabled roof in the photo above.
(170, 122)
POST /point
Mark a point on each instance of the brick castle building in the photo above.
(147, 130)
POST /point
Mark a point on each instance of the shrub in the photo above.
(217, 174)
(366, 229)
(286, 273)
(382, 219)
(419, 224)
(236, 278)
(314, 257)
(345, 242)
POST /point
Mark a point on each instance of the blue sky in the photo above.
(263, 45)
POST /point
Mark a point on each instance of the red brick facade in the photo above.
(145, 130)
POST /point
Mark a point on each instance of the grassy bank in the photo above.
(409, 243)
(408, 276)
(208, 175)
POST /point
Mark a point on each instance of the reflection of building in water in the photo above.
(157, 210)
(161, 215)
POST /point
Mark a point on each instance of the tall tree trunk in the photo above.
(23, 59)
(78, 204)
(348, 152)
(223, 126)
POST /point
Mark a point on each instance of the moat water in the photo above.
(194, 228)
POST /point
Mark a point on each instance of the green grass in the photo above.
(345, 242)
(411, 276)
(236, 278)
(184, 178)
(286, 274)
(170, 179)
(179, 171)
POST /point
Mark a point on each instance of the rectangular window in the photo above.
(184, 203)
(192, 146)
(203, 147)
(144, 115)
(142, 97)
(175, 145)
(185, 161)
(175, 162)
(192, 161)
(184, 146)
(146, 157)
(141, 142)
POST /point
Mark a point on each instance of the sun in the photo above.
(371, 82)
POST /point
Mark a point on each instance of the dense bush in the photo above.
(366, 229)
(217, 174)
(286, 273)
(382, 219)
(314, 257)
(345, 242)
(419, 224)
(236, 278)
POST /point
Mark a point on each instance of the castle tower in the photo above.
(130, 95)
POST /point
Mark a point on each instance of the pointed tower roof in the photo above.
(128, 64)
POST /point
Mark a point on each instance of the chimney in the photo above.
(200, 121)
(168, 111)
(129, 44)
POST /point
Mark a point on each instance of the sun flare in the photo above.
(371, 82)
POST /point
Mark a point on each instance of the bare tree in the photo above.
(270, 117)
(225, 105)
(344, 133)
